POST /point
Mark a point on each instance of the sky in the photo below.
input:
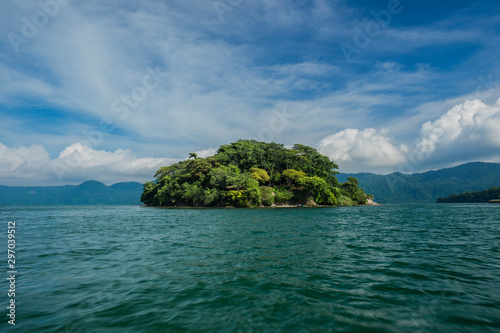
(113, 90)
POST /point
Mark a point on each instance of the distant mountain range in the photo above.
(428, 186)
(392, 188)
(87, 193)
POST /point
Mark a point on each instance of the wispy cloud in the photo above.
(222, 80)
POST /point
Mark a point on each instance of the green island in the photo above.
(491, 195)
(248, 173)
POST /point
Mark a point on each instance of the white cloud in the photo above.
(413, 38)
(470, 128)
(305, 68)
(75, 164)
(24, 163)
(367, 150)
(206, 152)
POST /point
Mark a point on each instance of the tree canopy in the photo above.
(250, 173)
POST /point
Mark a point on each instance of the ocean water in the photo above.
(393, 268)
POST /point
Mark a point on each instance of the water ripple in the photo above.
(418, 268)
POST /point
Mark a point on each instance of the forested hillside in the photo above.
(250, 173)
(87, 193)
(428, 186)
(477, 196)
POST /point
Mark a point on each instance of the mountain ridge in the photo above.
(428, 186)
(90, 192)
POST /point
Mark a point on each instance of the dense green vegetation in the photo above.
(250, 173)
(428, 186)
(87, 193)
(478, 196)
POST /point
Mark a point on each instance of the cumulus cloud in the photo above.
(468, 129)
(75, 164)
(368, 150)
(23, 163)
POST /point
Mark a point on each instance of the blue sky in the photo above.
(113, 90)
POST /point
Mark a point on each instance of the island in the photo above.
(248, 173)
(491, 195)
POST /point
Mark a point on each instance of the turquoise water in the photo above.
(416, 268)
